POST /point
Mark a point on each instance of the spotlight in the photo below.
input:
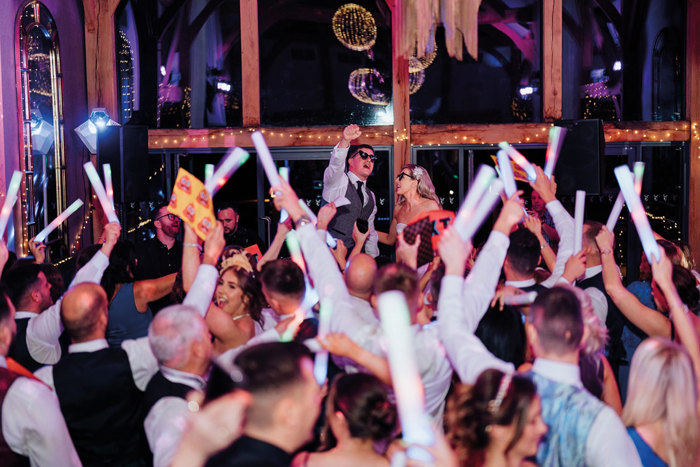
(42, 136)
(163, 71)
(223, 86)
(99, 117)
(617, 66)
(384, 116)
(526, 91)
(87, 131)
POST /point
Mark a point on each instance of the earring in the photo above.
(487, 429)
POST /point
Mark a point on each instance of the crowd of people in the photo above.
(185, 352)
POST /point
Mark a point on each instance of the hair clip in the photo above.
(495, 404)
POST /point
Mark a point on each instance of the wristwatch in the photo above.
(303, 220)
(606, 251)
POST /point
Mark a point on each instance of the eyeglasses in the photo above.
(171, 217)
(365, 155)
(400, 176)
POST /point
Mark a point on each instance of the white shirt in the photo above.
(202, 289)
(33, 425)
(433, 367)
(608, 443)
(592, 271)
(335, 184)
(45, 328)
(167, 419)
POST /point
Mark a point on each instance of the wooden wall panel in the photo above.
(552, 58)
(400, 95)
(250, 63)
(692, 86)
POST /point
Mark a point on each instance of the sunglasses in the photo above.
(401, 176)
(171, 217)
(365, 155)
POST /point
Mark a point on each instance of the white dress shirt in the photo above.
(433, 367)
(44, 329)
(33, 425)
(335, 184)
(167, 419)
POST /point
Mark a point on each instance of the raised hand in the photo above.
(510, 215)
(325, 215)
(38, 250)
(111, 234)
(350, 133)
(214, 244)
(545, 187)
(454, 252)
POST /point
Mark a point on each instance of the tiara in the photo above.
(495, 404)
(236, 260)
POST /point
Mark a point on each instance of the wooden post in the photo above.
(399, 92)
(552, 58)
(250, 63)
(101, 72)
(692, 92)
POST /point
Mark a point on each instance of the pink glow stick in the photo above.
(639, 216)
(100, 192)
(578, 220)
(233, 160)
(41, 236)
(556, 138)
(406, 380)
(638, 170)
(519, 159)
(109, 190)
(10, 198)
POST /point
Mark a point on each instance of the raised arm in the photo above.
(534, 225)
(277, 243)
(334, 180)
(152, 289)
(191, 248)
(202, 291)
(649, 321)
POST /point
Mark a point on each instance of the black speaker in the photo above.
(578, 167)
(125, 148)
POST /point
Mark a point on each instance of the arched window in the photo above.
(41, 119)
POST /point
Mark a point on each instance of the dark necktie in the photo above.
(360, 194)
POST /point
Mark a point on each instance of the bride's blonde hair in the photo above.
(425, 187)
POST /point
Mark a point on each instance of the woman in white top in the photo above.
(415, 194)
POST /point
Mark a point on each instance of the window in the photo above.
(43, 195)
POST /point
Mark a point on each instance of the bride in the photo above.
(415, 194)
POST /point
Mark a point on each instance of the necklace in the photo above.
(236, 318)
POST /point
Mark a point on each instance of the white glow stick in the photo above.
(615, 212)
(638, 169)
(519, 159)
(506, 173)
(478, 187)
(556, 138)
(284, 173)
(520, 299)
(10, 198)
(406, 380)
(324, 325)
(292, 328)
(228, 165)
(208, 172)
(578, 220)
(294, 248)
(485, 206)
(109, 189)
(41, 236)
(639, 216)
(100, 192)
(266, 158)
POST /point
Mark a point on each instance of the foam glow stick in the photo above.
(620, 200)
(292, 328)
(266, 158)
(578, 220)
(109, 189)
(639, 216)
(294, 248)
(615, 212)
(10, 198)
(488, 201)
(519, 159)
(638, 170)
(284, 173)
(520, 299)
(324, 324)
(478, 187)
(407, 383)
(208, 172)
(41, 236)
(556, 137)
(506, 173)
(100, 192)
(228, 165)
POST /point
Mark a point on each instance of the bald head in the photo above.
(84, 312)
(359, 275)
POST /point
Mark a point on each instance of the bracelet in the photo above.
(193, 245)
(303, 220)
(542, 247)
(606, 251)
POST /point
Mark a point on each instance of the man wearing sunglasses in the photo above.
(345, 183)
